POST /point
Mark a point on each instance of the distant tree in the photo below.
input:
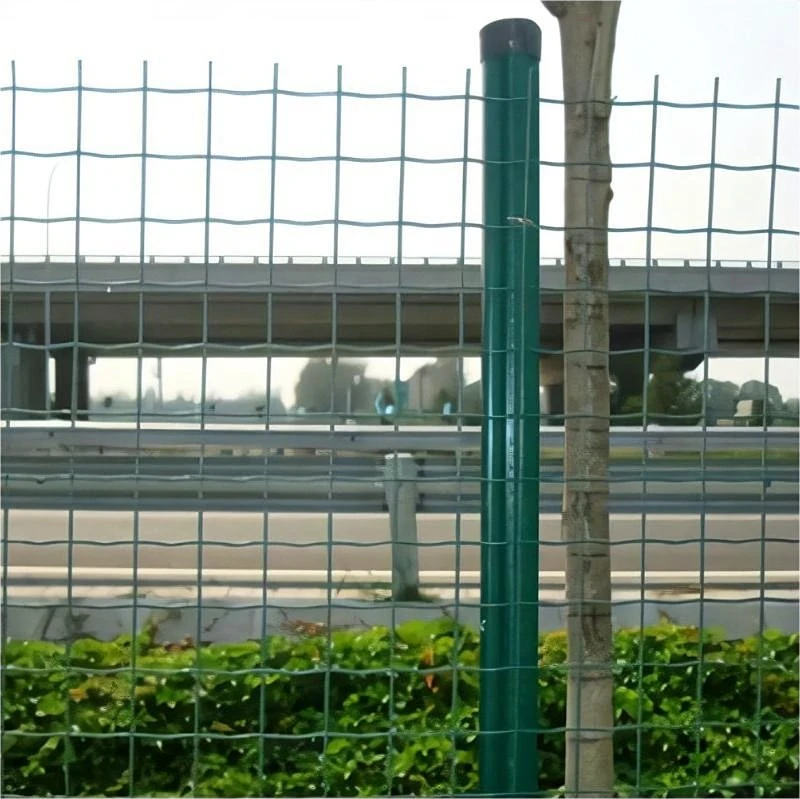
(754, 390)
(720, 399)
(627, 372)
(791, 411)
(276, 406)
(672, 398)
(313, 389)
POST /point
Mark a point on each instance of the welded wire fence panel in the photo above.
(242, 404)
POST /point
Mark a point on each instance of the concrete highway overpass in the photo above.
(720, 309)
(366, 295)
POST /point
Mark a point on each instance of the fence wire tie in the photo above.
(522, 220)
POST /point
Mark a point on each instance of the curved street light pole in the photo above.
(47, 222)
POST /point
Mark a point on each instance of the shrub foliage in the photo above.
(364, 713)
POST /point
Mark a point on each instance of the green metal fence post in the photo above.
(510, 52)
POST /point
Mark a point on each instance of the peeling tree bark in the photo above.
(587, 47)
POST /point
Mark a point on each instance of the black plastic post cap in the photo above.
(506, 36)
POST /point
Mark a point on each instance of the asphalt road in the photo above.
(311, 541)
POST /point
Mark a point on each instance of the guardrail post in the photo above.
(508, 720)
(401, 498)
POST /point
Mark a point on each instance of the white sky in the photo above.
(746, 44)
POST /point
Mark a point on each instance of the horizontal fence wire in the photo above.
(241, 487)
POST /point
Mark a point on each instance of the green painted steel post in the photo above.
(510, 52)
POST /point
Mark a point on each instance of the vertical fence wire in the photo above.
(331, 463)
(643, 454)
(263, 661)
(4, 372)
(75, 377)
(765, 459)
(136, 531)
(393, 731)
(198, 675)
(703, 538)
(458, 532)
(762, 551)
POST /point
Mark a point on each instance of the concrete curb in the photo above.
(237, 618)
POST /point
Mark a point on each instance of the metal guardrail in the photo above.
(358, 484)
(27, 437)
(90, 466)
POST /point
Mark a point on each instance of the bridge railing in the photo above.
(390, 260)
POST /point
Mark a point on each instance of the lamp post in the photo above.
(158, 374)
(354, 382)
(47, 222)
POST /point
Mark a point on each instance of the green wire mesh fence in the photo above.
(241, 485)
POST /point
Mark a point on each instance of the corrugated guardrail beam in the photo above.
(30, 437)
(357, 484)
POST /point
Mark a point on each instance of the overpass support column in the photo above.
(626, 368)
(24, 380)
(66, 376)
(696, 336)
(551, 380)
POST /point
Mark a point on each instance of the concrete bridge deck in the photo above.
(374, 302)
(192, 306)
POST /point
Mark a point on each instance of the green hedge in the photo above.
(700, 718)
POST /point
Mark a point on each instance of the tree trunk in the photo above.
(587, 47)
